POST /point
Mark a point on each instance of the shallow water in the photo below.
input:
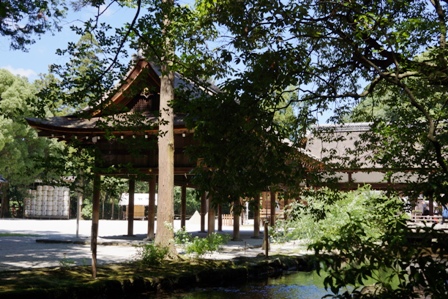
(298, 285)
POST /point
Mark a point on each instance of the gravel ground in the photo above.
(31, 243)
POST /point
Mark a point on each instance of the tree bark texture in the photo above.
(165, 202)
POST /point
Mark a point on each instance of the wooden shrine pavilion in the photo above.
(338, 145)
(123, 133)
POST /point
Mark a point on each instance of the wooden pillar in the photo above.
(219, 218)
(131, 207)
(236, 220)
(203, 211)
(151, 207)
(256, 218)
(183, 206)
(211, 217)
(273, 207)
(95, 221)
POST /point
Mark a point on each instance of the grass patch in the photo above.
(59, 277)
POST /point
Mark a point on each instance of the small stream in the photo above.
(298, 285)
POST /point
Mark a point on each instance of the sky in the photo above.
(43, 53)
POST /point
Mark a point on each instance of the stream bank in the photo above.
(128, 280)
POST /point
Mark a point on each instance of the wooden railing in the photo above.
(227, 219)
(426, 218)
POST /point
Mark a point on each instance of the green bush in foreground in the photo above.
(363, 243)
(200, 246)
(322, 213)
(150, 254)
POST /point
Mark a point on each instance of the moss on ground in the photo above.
(59, 282)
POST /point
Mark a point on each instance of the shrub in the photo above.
(363, 243)
(150, 254)
(200, 246)
(182, 237)
(324, 212)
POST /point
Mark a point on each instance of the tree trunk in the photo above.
(165, 203)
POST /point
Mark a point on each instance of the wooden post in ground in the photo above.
(273, 207)
(266, 239)
(211, 217)
(131, 206)
(256, 219)
(151, 207)
(95, 221)
(203, 211)
(183, 207)
(219, 218)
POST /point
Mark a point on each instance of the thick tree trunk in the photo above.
(165, 202)
(95, 221)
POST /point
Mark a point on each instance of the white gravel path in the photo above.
(28, 251)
